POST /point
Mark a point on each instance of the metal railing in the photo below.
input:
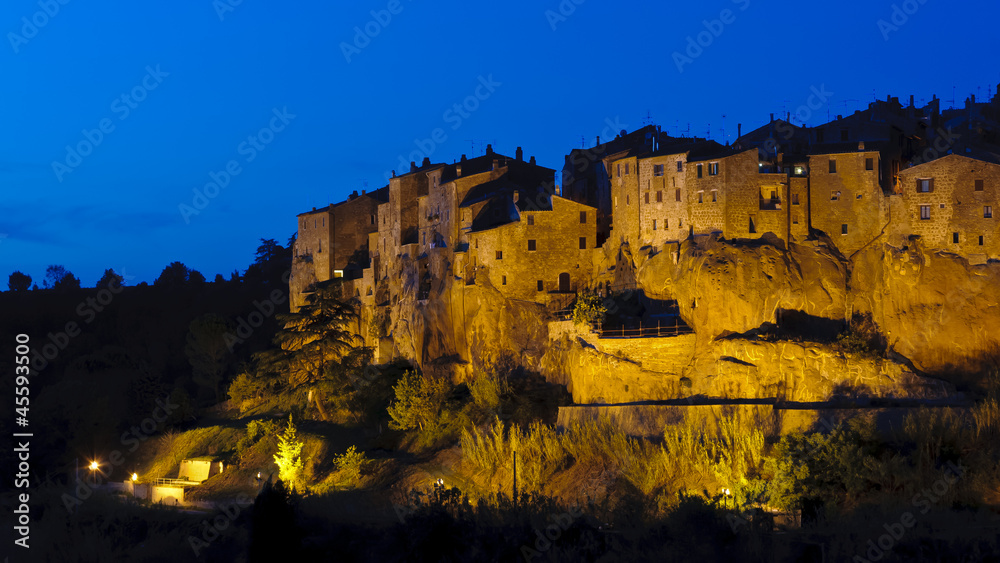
(658, 330)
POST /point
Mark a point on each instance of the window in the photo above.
(657, 170)
(795, 199)
(835, 196)
(659, 196)
(628, 199)
(869, 164)
(680, 166)
(503, 280)
(583, 217)
(619, 175)
(626, 168)
(987, 212)
(680, 223)
(499, 254)
(979, 185)
(320, 246)
(833, 166)
(713, 169)
(677, 194)
(699, 171)
(583, 243)
(541, 286)
(531, 244)
(315, 223)
(925, 185)
(925, 212)
(954, 238)
(843, 229)
(701, 197)
(654, 224)
(715, 196)
(531, 219)
(666, 223)
(752, 228)
(795, 219)
(980, 240)
(373, 219)
(647, 197)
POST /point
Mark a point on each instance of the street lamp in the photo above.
(135, 477)
(94, 466)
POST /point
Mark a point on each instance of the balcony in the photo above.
(770, 204)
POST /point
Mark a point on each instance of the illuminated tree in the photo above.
(289, 456)
(417, 402)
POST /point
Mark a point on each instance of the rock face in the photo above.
(935, 308)
(938, 314)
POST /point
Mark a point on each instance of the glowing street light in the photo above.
(135, 477)
(94, 466)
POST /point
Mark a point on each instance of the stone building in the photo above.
(949, 203)
(332, 242)
(847, 198)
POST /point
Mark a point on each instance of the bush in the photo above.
(589, 309)
(351, 464)
(417, 403)
(256, 430)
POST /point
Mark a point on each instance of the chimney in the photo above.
(362, 192)
(911, 100)
(598, 141)
(426, 162)
(413, 166)
(489, 149)
(739, 130)
(532, 160)
(393, 173)
(788, 116)
(519, 154)
(463, 158)
(839, 117)
(772, 118)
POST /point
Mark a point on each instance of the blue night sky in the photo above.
(199, 88)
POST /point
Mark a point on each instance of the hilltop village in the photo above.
(891, 175)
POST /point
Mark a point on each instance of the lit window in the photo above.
(988, 212)
(713, 169)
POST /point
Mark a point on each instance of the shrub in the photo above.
(351, 464)
(589, 309)
(417, 402)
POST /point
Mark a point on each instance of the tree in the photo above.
(177, 275)
(58, 277)
(270, 263)
(110, 279)
(207, 351)
(19, 281)
(589, 309)
(312, 339)
(417, 402)
(289, 456)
